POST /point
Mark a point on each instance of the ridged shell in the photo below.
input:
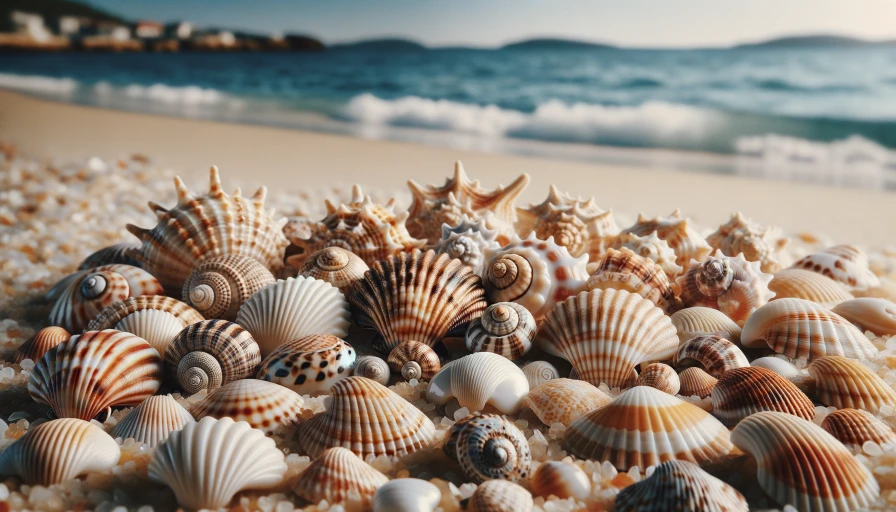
(80, 378)
(625, 270)
(293, 308)
(336, 476)
(207, 226)
(698, 320)
(845, 264)
(468, 241)
(870, 314)
(802, 465)
(263, 405)
(218, 286)
(504, 328)
(785, 369)
(209, 354)
(855, 427)
(155, 318)
(206, 463)
(152, 421)
(59, 450)
(744, 391)
(560, 479)
(800, 328)
(488, 447)
(337, 266)
(604, 334)
(680, 486)
(406, 495)
(676, 231)
(804, 284)
(414, 360)
(368, 419)
(644, 427)
(713, 353)
(564, 400)
(741, 235)
(539, 372)
(113, 254)
(500, 496)
(660, 376)
(696, 382)
(309, 365)
(842, 382)
(479, 379)
(373, 368)
(653, 248)
(39, 344)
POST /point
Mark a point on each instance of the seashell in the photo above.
(205, 227)
(696, 382)
(870, 314)
(114, 254)
(535, 274)
(845, 264)
(554, 478)
(406, 495)
(88, 292)
(218, 286)
(804, 284)
(39, 344)
(155, 318)
(59, 450)
(660, 376)
(504, 328)
(564, 400)
(800, 328)
(687, 243)
(743, 236)
(692, 321)
(855, 427)
(734, 286)
(335, 476)
(152, 421)
(680, 486)
(479, 379)
(802, 465)
(653, 248)
(373, 368)
(209, 354)
(780, 366)
(468, 241)
(294, 308)
(714, 353)
(741, 392)
(842, 382)
(309, 365)
(625, 270)
(488, 447)
(539, 372)
(417, 296)
(368, 419)
(263, 405)
(500, 496)
(206, 463)
(337, 266)
(414, 360)
(643, 427)
(83, 376)
(604, 334)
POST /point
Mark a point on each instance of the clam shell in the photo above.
(842, 382)
(539, 372)
(263, 405)
(336, 476)
(660, 376)
(560, 479)
(406, 495)
(564, 400)
(414, 360)
(804, 284)
(676, 231)
(337, 266)
(855, 427)
(373, 368)
(39, 344)
(734, 286)
(206, 463)
(152, 421)
(653, 248)
(625, 270)
(845, 264)
(680, 486)
(479, 379)
(696, 382)
(111, 255)
(500, 496)
(468, 241)
(713, 353)
(743, 236)
(504, 328)
(155, 318)
(744, 391)
(218, 286)
(699, 320)
(870, 314)
(209, 354)
(488, 447)
(309, 365)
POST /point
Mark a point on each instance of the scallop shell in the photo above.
(368, 419)
(293, 308)
(800, 328)
(504, 328)
(743, 236)
(83, 376)
(539, 372)
(560, 479)
(845, 264)
(218, 286)
(373, 368)
(564, 400)
(713, 353)
(468, 241)
(625, 270)
(59, 450)
(209, 354)
(155, 318)
(680, 486)
(604, 334)
(39, 344)
(802, 465)
(500, 496)
(696, 382)
(661, 377)
(263, 405)
(111, 255)
(870, 314)
(698, 320)
(152, 421)
(418, 296)
(855, 427)
(842, 382)
(406, 495)
(337, 476)
(309, 365)
(676, 231)
(653, 248)
(414, 360)
(488, 447)
(206, 463)
(207, 226)
(744, 391)
(479, 379)
(337, 266)
(643, 427)
(804, 284)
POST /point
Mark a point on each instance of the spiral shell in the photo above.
(489, 447)
(155, 318)
(479, 379)
(111, 255)
(504, 328)
(554, 478)
(845, 264)
(804, 284)
(337, 266)
(373, 368)
(564, 400)
(653, 248)
(660, 376)
(842, 382)
(39, 344)
(625, 270)
(742, 236)
(500, 496)
(680, 486)
(676, 231)
(696, 382)
(218, 286)
(152, 421)
(309, 365)
(870, 314)
(468, 241)
(744, 391)
(692, 321)
(263, 405)
(209, 354)
(414, 360)
(335, 476)
(714, 353)
(539, 372)
(406, 495)
(855, 427)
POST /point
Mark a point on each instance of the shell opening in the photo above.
(499, 453)
(199, 370)
(93, 286)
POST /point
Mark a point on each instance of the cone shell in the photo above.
(660, 376)
(335, 476)
(842, 382)
(59, 450)
(98, 369)
(805, 284)
(368, 419)
(337, 266)
(263, 405)
(479, 379)
(696, 382)
(802, 465)
(713, 353)
(564, 400)
(406, 495)
(625, 270)
(414, 360)
(870, 314)
(111, 255)
(500, 496)
(539, 372)
(155, 318)
(209, 354)
(560, 479)
(218, 286)
(643, 427)
(373, 368)
(488, 447)
(39, 344)
(653, 248)
(855, 427)
(732, 285)
(152, 421)
(468, 241)
(744, 391)
(206, 463)
(680, 486)
(309, 365)
(700, 320)
(743, 236)
(845, 264)
(504, 328)
(676, 231)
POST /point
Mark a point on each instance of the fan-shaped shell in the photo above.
(802, 465)
(743, 236)
(733, 285)
(500, 496)
(696, 382)
(870, 314)
(414, 360)
(488, 447)
(39, 344)
(680, 486)
(539, 372)
(206, 463)
(653, 248)
(59, 450)
(845, 264)
(714, 353)
(406, 495)
(113, 254)
(625, 270)
(741, 392)
(155, 318)
(699, 320)
(842, 382)
(152, 421)
(468, 241)
(337, 266)
(660, 376)
(479, 379)
(309, 365)
(263, 405)
(218, 286)
(804, 284)
(336, 475)
(208, 354)
(504, 328)
(83, 376)
(560, 479)
(676, 231)
(855, 427)
(373, 368)
(564, 400)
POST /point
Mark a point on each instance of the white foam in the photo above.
(40, 84)
(852, 151)
(188, 95)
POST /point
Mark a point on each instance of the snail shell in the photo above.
(680, 486)
(714, 353)
(539, 372)
(625, 270)
(661, 377)
(152, 421)
(111, 255)
(337, 266)
(805, 284)
(696, 382)
(479, 379)
(218, 286)
(406, 495)
(500, 496)
(504, 328)
(677, 232)
(468, 241)
(564, 400)
(560, 479)
(743, 236)
(414, 360)
(309, 365)
(263, 405)
(842, 382)
(845, 264)
(336, 475)
(870, 314)
(155, 318)
(373, 368)
(39, 344)
(744, 391)
(855, 427)
(489, 447)
(208, 354)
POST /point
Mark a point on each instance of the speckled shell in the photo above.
(696, 382)
(713, 353)
(870, 314)
(643, 427)
(263, 405)
(59, 450)
(504, 328)
(564, 400)
(560, 479)
(744, 391)
(368, 419)
(38, 345)
(680, 486)
(209, 354)
(625, 270)
(335, 265)
(805, 284)
(500, 496)
(741, 235)
(113, 254)
(845, 264)
(802, 465)
(653, 248)
(218, 286)
(417, 296)
(152, 421)
(155, 318)
(604, 334)
(488, 447)
(687, 243)
(335, 476)
(479, 379)
(414, 360)
(406, 495)
(468, 241)
(373, 368)
(842, 382)
(80, 378)
(800, 328)
(660, 376)
(855, 427)
(699, 320)
(293, 308)
(539, 372)
(309, 365)
(206, 463)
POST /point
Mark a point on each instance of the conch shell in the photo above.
(218, 286)
(479, 379)
(625, 270)
(743, 236)
(653, 248)
(468, 241)
(676, 231)
(845, 264)
(208, 354)
(155, 318)
(309, 365)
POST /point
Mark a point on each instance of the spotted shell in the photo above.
(804, 284)
(783, 445)
(743, 236)
(263, 405)
(741, 392)
(661, 377)
(488, 447)
(59, 450)
(564, 400)
(309, 365)
(335, 265)
(155, 318)
(845, 264)
(374, 368)
(842, 382)
(218, 286)
(83, 376)
(152, 421)
(500, 496)
(693, 321)
(713, 353)
(468, 241)
(504, 328)
(337, 476)
(111, 255)
(855, 427)
(414, 360)
(38, 345)
(368, 419)
(406, 495)
(870, 314)
(625, 270)
(696, 382)
(208, 354)
(206, 463)
(479, 379)
(680, 486)
(676, 231)
(653, 248)
(539, 372)
(560, 479)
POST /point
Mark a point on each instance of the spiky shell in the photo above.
(744, 391)
(38, 345)
(713, 353)
(845, 264)
(152, 421)
(468, 241)
(500, 496)
(564, 400)
(676, 231)
(625, 270)
(479, 379)
(113, 254)
(337, 266)
(660, 376)
(155, 318)
(309, 365)
(743, 236)
(805, 284)
(855, 427)
(336, 476)
(842, 382)
(692, 321)
(59, 450)
(218, 286)
(83, 376)
(870, 314)
(206, 463)
(696, 382)
(368, 419)
(560, 479)
(488, 447)
(680, 486)
(653, 248)
(208, 354)
(414, 360)
(504, 328)
(539, 372)
(374, 368)
(263, 405)
(406, 495)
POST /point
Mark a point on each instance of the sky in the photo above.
(645, 23)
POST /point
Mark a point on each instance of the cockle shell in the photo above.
(335, 476)
(560, 479)
(218, 286)
(564, 400)
(625, 270)
(805, 284)
(539, 372)
(713, 353)
(59, 450)
(206, 463)
(111, 255)
(406, 495)
(842, 382)
(479, 379)
(488, 447)
(802, 465)
(680, 486)
(83, 376)
(38, 345)
(374, 368)
(468, 241)
(500, 496)
(870, 314)
(692, 321)
(417, 296)
(741, 392)
(335, 265)
(155, 318)
(309, 365)
(845, 264)
(604, 334)
(743, 236)
(368, 419)
(208, 354)
(800, 328)
(504, 328)
(414, 360)
(152, 421)
(676, 231)
(263, 405)
(653, 248)
(643, 427)
(855, 427)
(660, 376)
(293, 308)
(696, 382)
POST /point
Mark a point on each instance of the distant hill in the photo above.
(51, 10)
(811, 41)
(555, 44)
(381, 45)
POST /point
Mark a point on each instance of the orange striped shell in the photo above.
(842, 382)
(38, 345)
(660, 376)
(335, 475)
(263, 405)
(805, 284)
(625, 270)
(414, 360)
(744, 391)
(855, 427)
(218, 286)
(696, 382)
(680, 486)
(713, 353)
(692, 321)
(155, 318)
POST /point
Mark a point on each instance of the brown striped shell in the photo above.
(653, 248)
(208, 354)
(625, 270)
(845, 264)
(374, 368)
(692, 321)
(680, 486)
(488, 447)
(477, 380)
(870, 314)
(113, 254)
(744, 391)
(337, 476)
(660, 376)
(264, 405)
(696, 382)
(155, 318)
(855, 427)
(842, 382)
(676, 231)
(218, 286)
(309, 365)
(335, 265)
(713, 353)
(560, 479)
(804, 284)
(38, 345)
(564, 400)
(743, 236)
(500, 496)
(152, 421)
(733, 285)
(539, 372)
(414, 360)
(504, 328)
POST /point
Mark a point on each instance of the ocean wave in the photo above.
(854, 151)
(186, 95)
(38, 84)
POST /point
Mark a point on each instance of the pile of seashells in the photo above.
(465, 353)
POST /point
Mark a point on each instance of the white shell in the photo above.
(468, 241)
(539, 372)
(480, 379)
(743, 236)
(870, 314)
(690, 322)
(407, 495)
(152, 421)
(560, 479)
(676, 231)
(780, 366)
(846, 264)
(155, 318)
